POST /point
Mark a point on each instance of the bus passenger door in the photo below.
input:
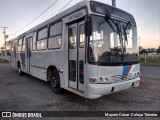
(76, 55)
(81, 55)
(72, 46)
(28, 53)
(13, 59)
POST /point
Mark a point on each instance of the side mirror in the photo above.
(88, 28)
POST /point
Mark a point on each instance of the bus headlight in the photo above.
(106, 79)
(135, 75)
(92, 79)
(100, 79)
(138, 74)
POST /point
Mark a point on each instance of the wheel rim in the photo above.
(54, 82)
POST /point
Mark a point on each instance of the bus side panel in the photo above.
(21, 58)
(41, 60)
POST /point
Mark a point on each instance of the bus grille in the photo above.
(121, 78)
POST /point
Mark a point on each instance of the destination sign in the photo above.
(76, 15)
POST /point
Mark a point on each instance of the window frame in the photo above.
(51, 26)
(23, 44)
(37, 32)
(35, 41)
(57, 47)
(49, 36)
(80, 37)
(20, 45)
(69, 39)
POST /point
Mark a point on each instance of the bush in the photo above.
(4, 61)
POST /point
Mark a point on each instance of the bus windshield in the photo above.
(112, 41)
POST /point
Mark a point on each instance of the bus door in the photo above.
(28, 53)
(76, 55)
(14, 54)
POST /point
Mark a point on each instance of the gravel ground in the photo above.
(31, 94)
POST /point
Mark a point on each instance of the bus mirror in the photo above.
(88, 30)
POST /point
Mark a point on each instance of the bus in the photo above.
(90, 49)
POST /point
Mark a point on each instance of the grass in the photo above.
(4, 61)
(155, 61)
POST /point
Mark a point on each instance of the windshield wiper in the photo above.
(118, 31)
(107, 18)
(126, 32)
(125, 29)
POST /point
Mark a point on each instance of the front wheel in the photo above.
(55, 82)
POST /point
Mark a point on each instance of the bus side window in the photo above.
(34, 42)
(14, 49)
(19, 45)
(72, 70)
(42, 39)
(82, 36)
(23, 44)
(55, 36)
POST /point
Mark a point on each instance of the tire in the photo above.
(55, 82)
(19, 69)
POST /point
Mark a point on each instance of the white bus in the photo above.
(90, 49)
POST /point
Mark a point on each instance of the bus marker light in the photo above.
(82, 73)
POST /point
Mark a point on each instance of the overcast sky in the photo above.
(15, 14)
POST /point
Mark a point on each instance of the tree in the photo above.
(143, 51)
(2, 47)
(158, 50)
(8, 44)
(140, 48)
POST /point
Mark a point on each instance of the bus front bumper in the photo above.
(97, 90)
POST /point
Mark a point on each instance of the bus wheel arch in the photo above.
(54, 79)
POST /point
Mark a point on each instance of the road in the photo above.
(150, 72)
(31, 94)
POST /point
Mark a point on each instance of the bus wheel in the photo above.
(55, 82)
(20, 70)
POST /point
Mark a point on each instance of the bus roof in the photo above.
(57, 17)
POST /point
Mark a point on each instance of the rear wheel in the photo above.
(19, 69)
(55, 81)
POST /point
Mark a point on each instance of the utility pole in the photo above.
(114, 3)
(5, 41)
(139, 41)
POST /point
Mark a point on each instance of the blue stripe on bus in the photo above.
(126, 69)
(23, 58)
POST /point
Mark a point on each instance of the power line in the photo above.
(128, 5)
(64, 6)
(15, 13)
(22, 16)
(58, 11)
(36, 17)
